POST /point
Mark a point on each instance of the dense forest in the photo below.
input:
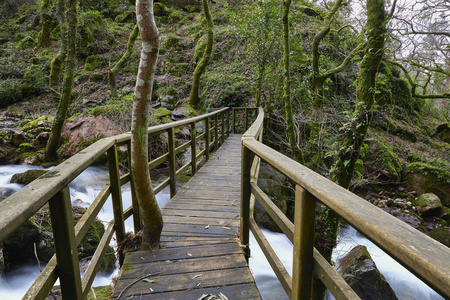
(357, 91)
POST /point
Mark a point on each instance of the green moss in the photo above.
(175, 17)
(25, 146)
(200, 48)
(93, 63)
(26, 43)
(73, 117)
(173, 41)
(101, 293)
(162, 112)
(179, 69)
(127, 266)
(41, 121)
(389, 160)
(424, 169)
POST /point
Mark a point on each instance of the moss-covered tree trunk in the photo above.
(200, 69)
(46, 24)
(112, 74)
(58, 61)
(69, 74)
(290, 128)
(151, 214)
(355, 131)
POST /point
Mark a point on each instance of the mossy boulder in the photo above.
(362, 275)
(94, 62)
(387, 161)
(443, 132)
(428, 204)
(441, 235)
(425, 178)
(44, 122)
(28, 176)
(162, 112)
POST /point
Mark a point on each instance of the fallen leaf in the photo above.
(188, 254)
(149, 280)
(151, 290)
(222, 296)
(197, 276)
(207, 226)
(167, 260)
(221, 222)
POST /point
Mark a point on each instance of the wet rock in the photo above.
(5, 193)
(28, 176)
(169, 102)
(428, 205)
(441, 235)
(407, 217)
(360, 272)
(443, 132)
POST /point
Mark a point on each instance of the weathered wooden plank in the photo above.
(182, 282)
(185, 238)
(240, 291)
(201, 221)
(140, 257)
(195, 206)
(186, 266)
(200, 213)
(190, 243)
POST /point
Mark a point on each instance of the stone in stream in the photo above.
(28, 176)
(428, 205)
(360, 272)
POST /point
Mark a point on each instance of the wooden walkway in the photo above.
(200, 251)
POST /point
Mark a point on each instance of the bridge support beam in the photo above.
(246, 164)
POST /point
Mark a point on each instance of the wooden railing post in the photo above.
(246, 119)
(137, 223)
(172, 162)
(216, 132)
(116, 196)
(207, 138)
(65, 245)
(245, 199)
(193, 149)
(228, 122)
(222, 129)
(234, 121)
(304, 218)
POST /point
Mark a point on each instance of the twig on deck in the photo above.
(137, 280)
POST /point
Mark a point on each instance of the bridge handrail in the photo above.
(423, 256)
(52, 188)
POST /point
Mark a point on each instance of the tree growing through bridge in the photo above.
(151, 214)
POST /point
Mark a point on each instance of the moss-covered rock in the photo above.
(441, 235)
(27, 176)
(425, 178)
(387, 161)
(428, 204)
(43, 122)
(101, 293)
(443, 132)
(162, 112)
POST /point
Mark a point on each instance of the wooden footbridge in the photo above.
(207, 222)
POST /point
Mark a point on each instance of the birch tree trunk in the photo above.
(151, 214)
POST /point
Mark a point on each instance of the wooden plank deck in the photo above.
(200, 251)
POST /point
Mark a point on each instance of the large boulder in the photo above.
(360, 272)
(425, 178)
(443, 132)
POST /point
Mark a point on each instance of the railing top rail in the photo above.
(154, 129)
(425, 257)
(18, 207)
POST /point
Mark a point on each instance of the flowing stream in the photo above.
(87, 185)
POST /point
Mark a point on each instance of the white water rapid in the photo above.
(86, 187)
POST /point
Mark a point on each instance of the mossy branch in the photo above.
(112, 73)
(200, 69)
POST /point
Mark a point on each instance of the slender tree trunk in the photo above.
(69, 74)
(200, 69)
(112, 74)
(356, 130)
(290, 129)
(151, 214)
(58, 61)
(46, 26)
